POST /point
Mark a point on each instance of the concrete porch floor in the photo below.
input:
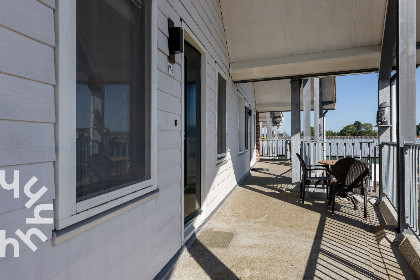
(263, 232)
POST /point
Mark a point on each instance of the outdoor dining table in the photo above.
(330, 162)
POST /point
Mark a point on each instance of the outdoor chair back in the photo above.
(308, 179)
(351, 175)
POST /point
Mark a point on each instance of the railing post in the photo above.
(381, 171)
(406, 95)
(407, 184)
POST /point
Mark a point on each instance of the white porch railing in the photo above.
(367, 151)
(389, 171)
(389, 153)
(312, 152)
(411, 164)
(275, 148)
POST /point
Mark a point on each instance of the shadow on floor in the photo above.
(264, 232)
(342, 247)
(213, 267)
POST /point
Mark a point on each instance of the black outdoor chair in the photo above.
(351, 176)
(308, 179)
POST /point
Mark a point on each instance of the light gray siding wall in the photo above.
(27, 114)
(138, 243)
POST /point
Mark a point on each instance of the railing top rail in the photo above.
(412, 144)
(389, 143)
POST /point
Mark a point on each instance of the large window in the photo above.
(105, 105)
(241, 124)
(112, 105)
(246, 128)
(221, 117)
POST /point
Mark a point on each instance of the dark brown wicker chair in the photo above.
(351, 176)
(308, 179)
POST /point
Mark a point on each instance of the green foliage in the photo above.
(312, 132)
(331, 133)
(358, 129)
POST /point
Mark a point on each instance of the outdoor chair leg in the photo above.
(301, 186)
(333, 199)
(353, 200)
(365, 202)
(330, 195)
(328, 199)
(303, 194)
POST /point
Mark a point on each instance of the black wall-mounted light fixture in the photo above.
(175, 40)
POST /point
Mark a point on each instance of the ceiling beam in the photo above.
(314, 75)
(388, 41)
(305, 65)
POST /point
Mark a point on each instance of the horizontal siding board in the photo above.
(169, 176)
(163, 46)
(168, 158)
(30, 18)
(130, 266)
(163, 67)
(185, 15)
(163, 23)
(23, 142)
(204, 34)
(49, 3)
(168, 140)
(128, 231)
(12, 221)
(26, 100)
(169, 103)
(154, 228)
(24, 57)
(44, 172)
(168, 84)
(166, 121)
(217, 23)
(211, 27)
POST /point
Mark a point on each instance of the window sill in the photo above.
(221, 161)
(60, 236)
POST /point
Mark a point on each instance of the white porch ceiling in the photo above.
(284, 38)
(272, 96)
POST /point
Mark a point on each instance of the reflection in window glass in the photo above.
(112, 110)
(221, 115)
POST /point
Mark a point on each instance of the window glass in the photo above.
(221, 115)
(246, 128)
(112, 104)
(241, 123)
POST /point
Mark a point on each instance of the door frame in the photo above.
(190, 229)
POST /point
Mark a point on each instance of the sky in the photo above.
(357, 100)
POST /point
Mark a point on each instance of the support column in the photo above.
(318, 114)
(384, 96)
(257, 135)
(307, 92)
(318, 120)
(384, 119)
(393, 111)
(295, 128)
(406, 97)
(269, 134)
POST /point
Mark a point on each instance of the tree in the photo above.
(358, 129)
(312, 132)
(331, 133)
